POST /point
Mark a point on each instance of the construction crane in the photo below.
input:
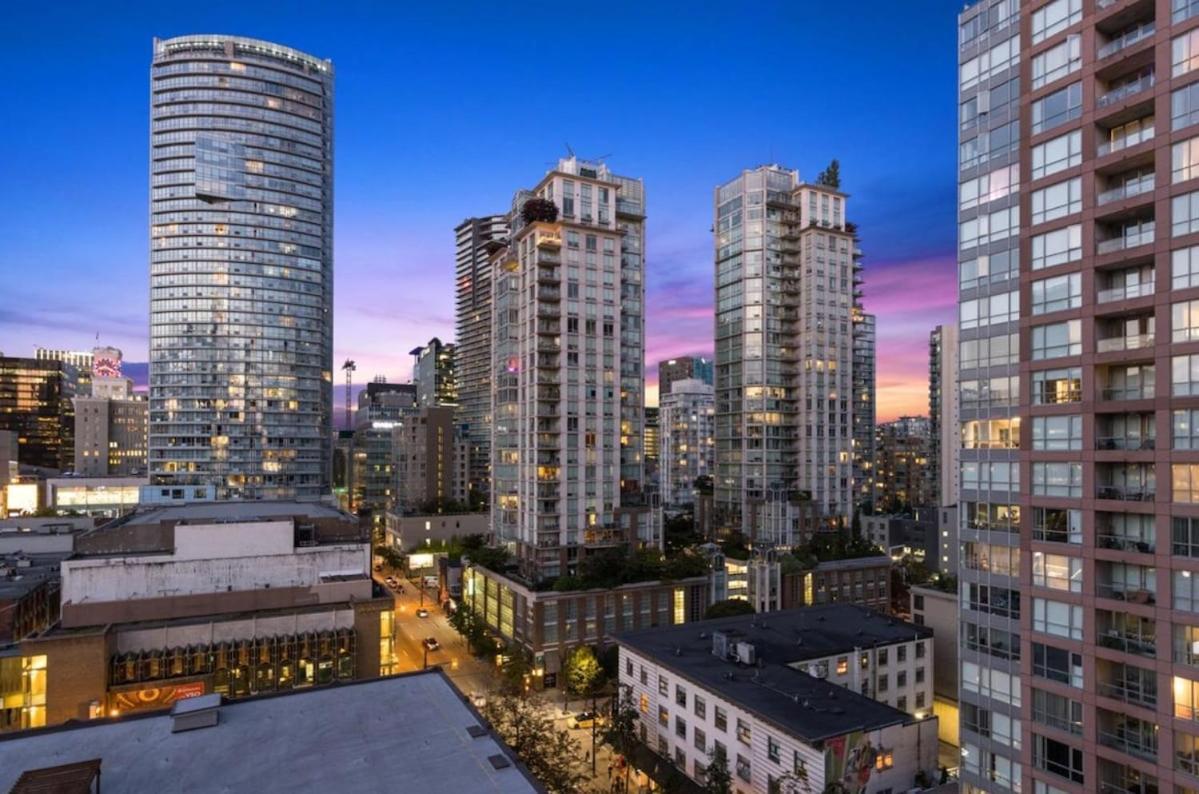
(348, 368)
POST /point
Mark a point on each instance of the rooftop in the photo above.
(221, 512)
(339, 738)
(21, 572)
(795, 702)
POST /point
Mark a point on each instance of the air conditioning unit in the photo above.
(818, 670)
(746, 654)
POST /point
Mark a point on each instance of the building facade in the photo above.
(36, 403)
(785, 282)
(382, 409)
(111, 429)
(683, 368)
(568, 354)
(475, 239)
(901, 479)
(944, 420)
(688, 446)
(429, 459)
(241, 267)
(435, 373)
(865, 395)
(989, 181)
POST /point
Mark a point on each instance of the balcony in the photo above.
(1128, 734)
(1135, 431)
(1125, 237)
(1127, 633)
(1127, 683)
(1127, 186)
(1123, 581)
(1124, 285)
(1126, 88)
(1117, 778)
(1125, 532)
(1126, 39)
(1118, 343)
(1126, 135)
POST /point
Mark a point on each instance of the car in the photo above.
(422, 613)
(584, 719)
(432, 644)
(477, 700)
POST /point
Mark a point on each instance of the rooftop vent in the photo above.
(198, 712)
(476, 731)
(499, 761)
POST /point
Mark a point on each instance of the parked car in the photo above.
(584, 719)
(422, 613)
(432, 644)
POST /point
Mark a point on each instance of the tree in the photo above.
(516, 671)
(717, 779)
(471, 627)
(728, 608)
(539, 209)
(621, 729)
(529, 730)
(583, 672)
(390, 556)
(831, 176)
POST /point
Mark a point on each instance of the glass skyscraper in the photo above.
(241, 267)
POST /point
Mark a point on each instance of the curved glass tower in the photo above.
(241, 267)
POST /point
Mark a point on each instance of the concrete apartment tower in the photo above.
(945, 439)
(688, 446)
(785, 275)
(568, 359)
(476, 239)
(241, 267)
(992, 607)
(865, 401)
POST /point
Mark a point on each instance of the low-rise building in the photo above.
(238, 598)
(111, 428)
(344, 739)
(411, 533)
(550, 623)
(781, 581)
(29, 593)
(937, 609)
(94, 496)
(782, 697)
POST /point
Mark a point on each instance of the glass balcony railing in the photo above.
(1125, 292)
(1133, 187)
(1127, 39)
(1145, 133)
(1144, 391)
(1125, 442)
(1137, 644)
(1117, 95)
(1141, 743)
(1131, 342)
(1129, 239)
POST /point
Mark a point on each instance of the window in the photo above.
(1186, 699)
(1054, 17)
(901, 679)
(920, 653)
(1057, 247)
(680, 696)
(1057, 201)
(1055, 525)
(644, 703)
(1056, 433)
(1184, 52)
(1057, 664)
(1057, 108)
(699, 740)
(885, 759)
(989, 63)
(989, 187)
(1184, 211)
(743, 768)
(1057, 571)
(743, 731)
(1186, 748)
(1186, 591)
(989, 228)
(1056, 340)
(721, 719)
(680, 727)
(1184, 481)
(901, 702)
(842, 665)
(1184, 321)
(772, 749)
(1057, 711)
(1184, 267)
(1056, 62)
(663, 717)
(1057, 758)
(1186, 429)
(1057, 618)
(1184, 106)
(882, 657)
(628, 667)
(1184, 375)
(700, 706)
(1056, 294)
(1058, 154)
(1055, 386)
(1184, 159)
(644, 676)
(1057, 479)
(663, 685)
(1186, 536)
(882, 682)
(901, 654)
(1001, 308)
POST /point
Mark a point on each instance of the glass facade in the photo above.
(241, 267)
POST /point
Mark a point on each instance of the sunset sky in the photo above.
(444, 109)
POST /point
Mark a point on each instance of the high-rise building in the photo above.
(110, 422)
(992, 606)
(382, 407)
(864, 406)
(241, 267)
(688, 414)
(945, 428)
(81, 360)
(684, 367)
(36, 403)
(427, 452)
(434, 373)
(901, 480)
(568, 332)
(476, 239)
(785, 274)
(653, 445)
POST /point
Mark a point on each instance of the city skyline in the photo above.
(405, 147)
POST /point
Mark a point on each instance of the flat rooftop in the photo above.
(804, 706)
(408, 732)
(231, 511)
(16, 581)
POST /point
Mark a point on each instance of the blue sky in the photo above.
(444, 109)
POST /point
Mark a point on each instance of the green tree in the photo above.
(516, 671)
(528, 728)
(831, 176)
(390, 556)
(728, 608)
(583, 671)
(471, 628)
(620, 731)
(717, 779)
